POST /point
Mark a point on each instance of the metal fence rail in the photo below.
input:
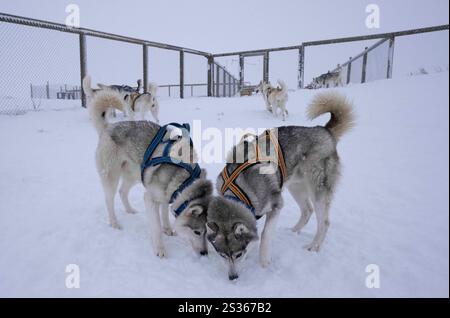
(220, 82)
(301, 50)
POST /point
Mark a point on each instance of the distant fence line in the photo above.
(220, 82)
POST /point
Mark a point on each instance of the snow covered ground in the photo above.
(391, 208)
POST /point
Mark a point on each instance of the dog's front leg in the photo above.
(266, 237)
(155, 224)
(167, 228)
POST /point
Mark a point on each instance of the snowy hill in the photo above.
(391, 207)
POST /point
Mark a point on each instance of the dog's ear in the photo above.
(195, 210)
(241, 231)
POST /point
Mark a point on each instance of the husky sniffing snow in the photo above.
(132, 100)
(119, 157)
(307, 165)
(274, 97)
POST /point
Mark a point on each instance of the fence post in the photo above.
(181, 74)
(47, 90)
(224, 83)
(145, 67)
(391, 57)
(241, 71)
(217, 80)
(301, 67)
(349, 71)
(210, 76)
(364, 67)
(31, 91)
(83, 66)
(266, 67)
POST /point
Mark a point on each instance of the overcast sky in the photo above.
(216, 26)
(226, 25)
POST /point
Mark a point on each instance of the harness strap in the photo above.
(229, 180)
(148, 161)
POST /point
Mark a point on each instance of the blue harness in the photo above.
(148, 161)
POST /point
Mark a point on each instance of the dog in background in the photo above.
(132, 100)
(310, 171)
(274, 97)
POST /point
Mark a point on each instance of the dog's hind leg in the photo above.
(300, 194)
(155, 224)
(167, 228)
(322, 208)
(110, 183)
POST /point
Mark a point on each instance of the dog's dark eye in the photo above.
(238, 255)
(197, 233)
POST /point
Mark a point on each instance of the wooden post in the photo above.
(217, 81)
(224, 83)
(349, 71)
(364, 67)
(181, 74)
(266, 67)
(390, 57)
(301, 67)
(83, 66)
(241, 71)
(169, 90)
(210, 76)
(145, 67)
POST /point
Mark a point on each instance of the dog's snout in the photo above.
(233, 277)
(204, 253)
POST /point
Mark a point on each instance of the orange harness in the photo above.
(229, 178)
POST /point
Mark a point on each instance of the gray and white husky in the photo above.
(312, 172)
(119, 154)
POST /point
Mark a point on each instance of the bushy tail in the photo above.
(87, 86)
(283, 86)
(100, 103)
(342, 116)
(152, 88)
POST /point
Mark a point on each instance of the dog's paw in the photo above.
(132, 211)
(160, 252)
(169, 232)
(265, 261)
(312, 247)
(115, 225)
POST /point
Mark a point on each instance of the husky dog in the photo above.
(275, 97)
(144, 103)
(119, 154)
(312, 170)
(133, 100)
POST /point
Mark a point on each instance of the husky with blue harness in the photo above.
(162, 158)
(302, 159)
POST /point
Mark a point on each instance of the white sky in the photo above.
(217, 26)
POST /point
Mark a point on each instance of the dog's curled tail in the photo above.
(342, 116)
(99, 105)
(87, 86)
(153, 88)
(282, 85)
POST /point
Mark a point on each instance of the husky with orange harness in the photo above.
(302, 159)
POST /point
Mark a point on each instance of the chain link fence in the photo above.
(42, 64)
